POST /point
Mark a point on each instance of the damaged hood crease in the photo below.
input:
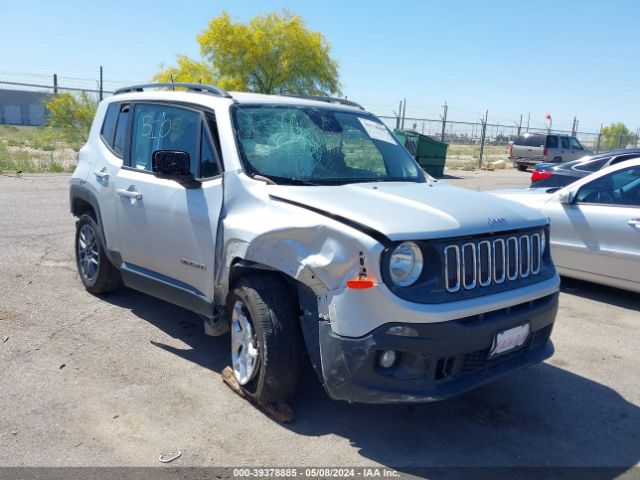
(399, 211)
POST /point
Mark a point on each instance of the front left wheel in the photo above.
(96, 271)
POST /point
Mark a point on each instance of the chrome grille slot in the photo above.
(492, 261)
(499, 261)
(513, 261)
(525, 256)
(536, 253)
(452, 268)
(484, 263)
(469, 267)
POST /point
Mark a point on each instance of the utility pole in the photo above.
(520, 125)
(55, 83)
(574, 126)
(404, 112)
(482, 135)
(528, 118)
(101, 84)
(444, 120)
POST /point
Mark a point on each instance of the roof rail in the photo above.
(319, 98)
(195, 87)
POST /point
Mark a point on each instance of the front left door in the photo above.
(168, 230)
(599, 232)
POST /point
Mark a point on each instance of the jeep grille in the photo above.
(480, 263)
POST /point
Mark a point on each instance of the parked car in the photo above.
(595, 224)
(530, 149)
(560, 175)
(300, 224)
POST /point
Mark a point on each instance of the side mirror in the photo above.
(172, 164)
(566, 197)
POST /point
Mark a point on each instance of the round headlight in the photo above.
(405, 265)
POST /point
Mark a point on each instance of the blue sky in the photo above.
(564, 57)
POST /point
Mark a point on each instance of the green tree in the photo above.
(617, 135)
(71, 115)
(271, 53)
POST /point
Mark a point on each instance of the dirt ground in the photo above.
(122, 379)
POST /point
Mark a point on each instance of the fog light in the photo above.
(387, 359)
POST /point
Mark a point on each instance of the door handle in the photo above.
(129, 194)
(101, 173)
(634, 222)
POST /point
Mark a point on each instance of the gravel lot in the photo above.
(119, 380)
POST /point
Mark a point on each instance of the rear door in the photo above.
(553, 148)
(599, 233)
(565, 150)
(168, 230)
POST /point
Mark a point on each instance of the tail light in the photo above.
(545, 152)
(510, 149)
(540, 175)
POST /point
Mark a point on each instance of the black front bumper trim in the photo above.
(446, 359)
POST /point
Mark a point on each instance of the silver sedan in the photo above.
(595, 224)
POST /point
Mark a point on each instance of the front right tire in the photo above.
(264, 337)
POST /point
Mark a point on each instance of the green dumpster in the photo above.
(430, 153)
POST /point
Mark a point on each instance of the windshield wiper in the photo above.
(275, 180)
(345, 181)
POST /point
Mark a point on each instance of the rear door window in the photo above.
(564, 141)
(552, 141)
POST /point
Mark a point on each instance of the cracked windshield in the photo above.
(319, 145)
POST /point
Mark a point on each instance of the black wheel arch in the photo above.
(83, 200)
(304, 299)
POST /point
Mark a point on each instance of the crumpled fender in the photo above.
(307, 246)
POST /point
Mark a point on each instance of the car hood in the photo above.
(530, 197)
(403, 211)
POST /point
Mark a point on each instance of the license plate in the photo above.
(510, 339)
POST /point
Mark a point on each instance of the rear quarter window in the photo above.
(536, 140)
(591, 166)
(530, 140)
(121, 130)
(109, 123)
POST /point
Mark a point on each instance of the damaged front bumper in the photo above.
(445, 359)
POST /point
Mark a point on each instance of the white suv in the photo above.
(302, 225)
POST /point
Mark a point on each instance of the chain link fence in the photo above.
(469, 147)
(27, 144)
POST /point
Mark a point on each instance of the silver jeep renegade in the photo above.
(302, 226)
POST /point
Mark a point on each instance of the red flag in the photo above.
(548, 116)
